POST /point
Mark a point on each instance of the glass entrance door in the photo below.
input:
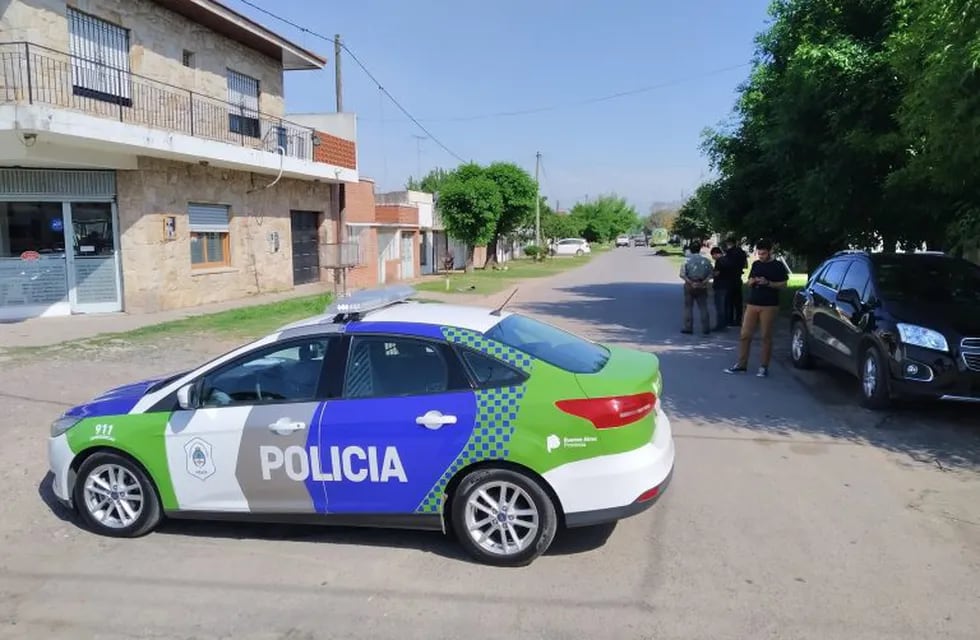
(93, 268)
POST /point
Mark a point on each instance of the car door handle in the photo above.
(434, 420)
(285, 426)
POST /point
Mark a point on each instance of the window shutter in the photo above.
(243, 92)
(100, 54)
(208, 218)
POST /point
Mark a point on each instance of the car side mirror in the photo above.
(187, 396)
(851, 297)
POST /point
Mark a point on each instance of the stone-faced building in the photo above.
(146, 161)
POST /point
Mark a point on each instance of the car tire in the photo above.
(530, 503)
(800, 346)
(873, 376)
(579, 253)
(103, 480)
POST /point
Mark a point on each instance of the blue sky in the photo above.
(448, 62)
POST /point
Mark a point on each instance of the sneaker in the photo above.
(735, 369)
(763, 372)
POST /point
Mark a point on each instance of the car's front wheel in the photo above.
(579, 253)
(800, 346)
(874, 380)
(502, 517)
(115, 497)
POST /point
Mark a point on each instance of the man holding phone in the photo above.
(766, 277)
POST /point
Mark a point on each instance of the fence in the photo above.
(33, 74)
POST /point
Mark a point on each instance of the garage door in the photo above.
(306, 246)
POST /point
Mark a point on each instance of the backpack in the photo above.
(699, 268)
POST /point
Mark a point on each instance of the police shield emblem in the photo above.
(200, 462)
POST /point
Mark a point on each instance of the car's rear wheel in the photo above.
(800, 346)
(503, 517)
(874, 380)
(579, 252)
(115, 497)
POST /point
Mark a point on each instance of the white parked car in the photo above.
(623, 241)
(571, 247)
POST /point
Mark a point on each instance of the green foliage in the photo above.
(660, 218)
(859, 125)
(555, 226)
(602, 219)
(470, 204)
(517, 192)
(534, 252)
(693, 221)
(431, 183)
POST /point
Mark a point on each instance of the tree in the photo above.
(604, 218)
(430, 183)
(693, 221)
(660, 218)
(935, 49)
(555, 226)
(517, 192)
(470, 204)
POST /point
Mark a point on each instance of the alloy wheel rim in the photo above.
(501, 518)
(113, 496)
(798, 344)
(870, 377)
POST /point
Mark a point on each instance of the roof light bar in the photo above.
(370, 300)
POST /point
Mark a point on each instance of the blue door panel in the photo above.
(359, 430)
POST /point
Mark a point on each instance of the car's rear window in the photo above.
(550, 344)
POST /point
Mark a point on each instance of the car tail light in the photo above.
(610, 412)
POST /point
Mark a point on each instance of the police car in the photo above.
(384, 411)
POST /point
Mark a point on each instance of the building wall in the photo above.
(157, 273)
(158, 38)
(396, 214)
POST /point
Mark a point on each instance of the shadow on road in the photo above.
(567, 541)
(648, 316)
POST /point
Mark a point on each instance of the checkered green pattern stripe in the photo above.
(476, 341)
(496, 413)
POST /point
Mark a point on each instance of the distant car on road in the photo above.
(623, 241)
(903, 324)
(571, 247)
(383, 411)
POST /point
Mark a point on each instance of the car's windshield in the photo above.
(934, 279)
(550, 344)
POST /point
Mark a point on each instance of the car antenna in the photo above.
(496, 312)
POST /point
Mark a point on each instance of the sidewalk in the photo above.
(42, 332)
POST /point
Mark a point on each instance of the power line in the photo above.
(587, 101)
(363, 68)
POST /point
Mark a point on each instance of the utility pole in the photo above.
(537, 201)
(338, 82)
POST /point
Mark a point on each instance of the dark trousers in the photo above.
(734, 306)
(697, 296)
(721, 307)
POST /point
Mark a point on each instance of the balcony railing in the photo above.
(32, 74)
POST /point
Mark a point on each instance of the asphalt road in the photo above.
(791, 515)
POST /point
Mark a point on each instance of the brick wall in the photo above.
(396, 214)
(335, 151)
(359, 199)
(365, 275)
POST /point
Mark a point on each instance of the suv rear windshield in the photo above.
(917, 278)
(556, 347)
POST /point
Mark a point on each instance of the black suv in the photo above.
(905, 324)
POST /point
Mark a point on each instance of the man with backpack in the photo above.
(696, 272)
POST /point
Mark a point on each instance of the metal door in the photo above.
(408, 256)
(93, 261)
(306, 246)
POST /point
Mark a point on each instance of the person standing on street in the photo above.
(766, 277)
(720, 286)
(735, 262)
(696, 273)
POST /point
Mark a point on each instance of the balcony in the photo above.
(91, 104)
